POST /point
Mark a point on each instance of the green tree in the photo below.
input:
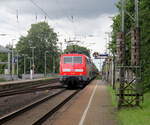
(77, 49)
(43, 38)
(144, 24)
(145, 41)
(3, 58)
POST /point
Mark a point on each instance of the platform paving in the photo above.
(21, 81)
(91, 107)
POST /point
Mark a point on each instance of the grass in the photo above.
(133, 116)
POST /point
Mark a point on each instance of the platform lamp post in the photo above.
(17, 64)
(24, 65)
(45, 63)
(29, 58)
(53, 62)
(12, 60)
(33, 58)
(31, 73)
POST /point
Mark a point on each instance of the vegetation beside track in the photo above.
(144, 23)
(133, 116)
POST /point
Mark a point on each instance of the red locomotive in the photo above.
(76, 70)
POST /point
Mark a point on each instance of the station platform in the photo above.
(25, 81)
(92, 106)
(22, 81)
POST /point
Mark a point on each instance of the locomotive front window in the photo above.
(72, 59)
(77, 59)
(68, 59)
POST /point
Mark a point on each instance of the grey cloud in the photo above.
(62, 8)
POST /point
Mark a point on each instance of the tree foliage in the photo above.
(77, 49)
(144, 24)
(44, 39)
(3, 58)
(145, 41)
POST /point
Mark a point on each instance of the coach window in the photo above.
(90, 61)
(87, 60)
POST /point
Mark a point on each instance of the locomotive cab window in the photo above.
(72, 59)
(68, 59)
(77, 59)
(88, 61)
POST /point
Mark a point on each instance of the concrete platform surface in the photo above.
(91, 107)
(24, 81)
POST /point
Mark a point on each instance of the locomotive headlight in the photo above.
(78, 70)
(66, 70)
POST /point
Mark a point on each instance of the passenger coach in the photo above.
(76, 69)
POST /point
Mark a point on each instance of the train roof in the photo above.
(73, 54)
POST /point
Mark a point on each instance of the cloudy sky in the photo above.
(84, 20)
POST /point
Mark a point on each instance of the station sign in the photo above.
(100, 56)
(103, 55)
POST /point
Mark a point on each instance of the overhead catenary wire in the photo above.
(70, 17)
(62, 8)
(45, 13)
(42, 10)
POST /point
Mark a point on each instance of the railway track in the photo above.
(29, 86)
(60, 98)
(30, 90)
(27, 107)
(55, 109)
